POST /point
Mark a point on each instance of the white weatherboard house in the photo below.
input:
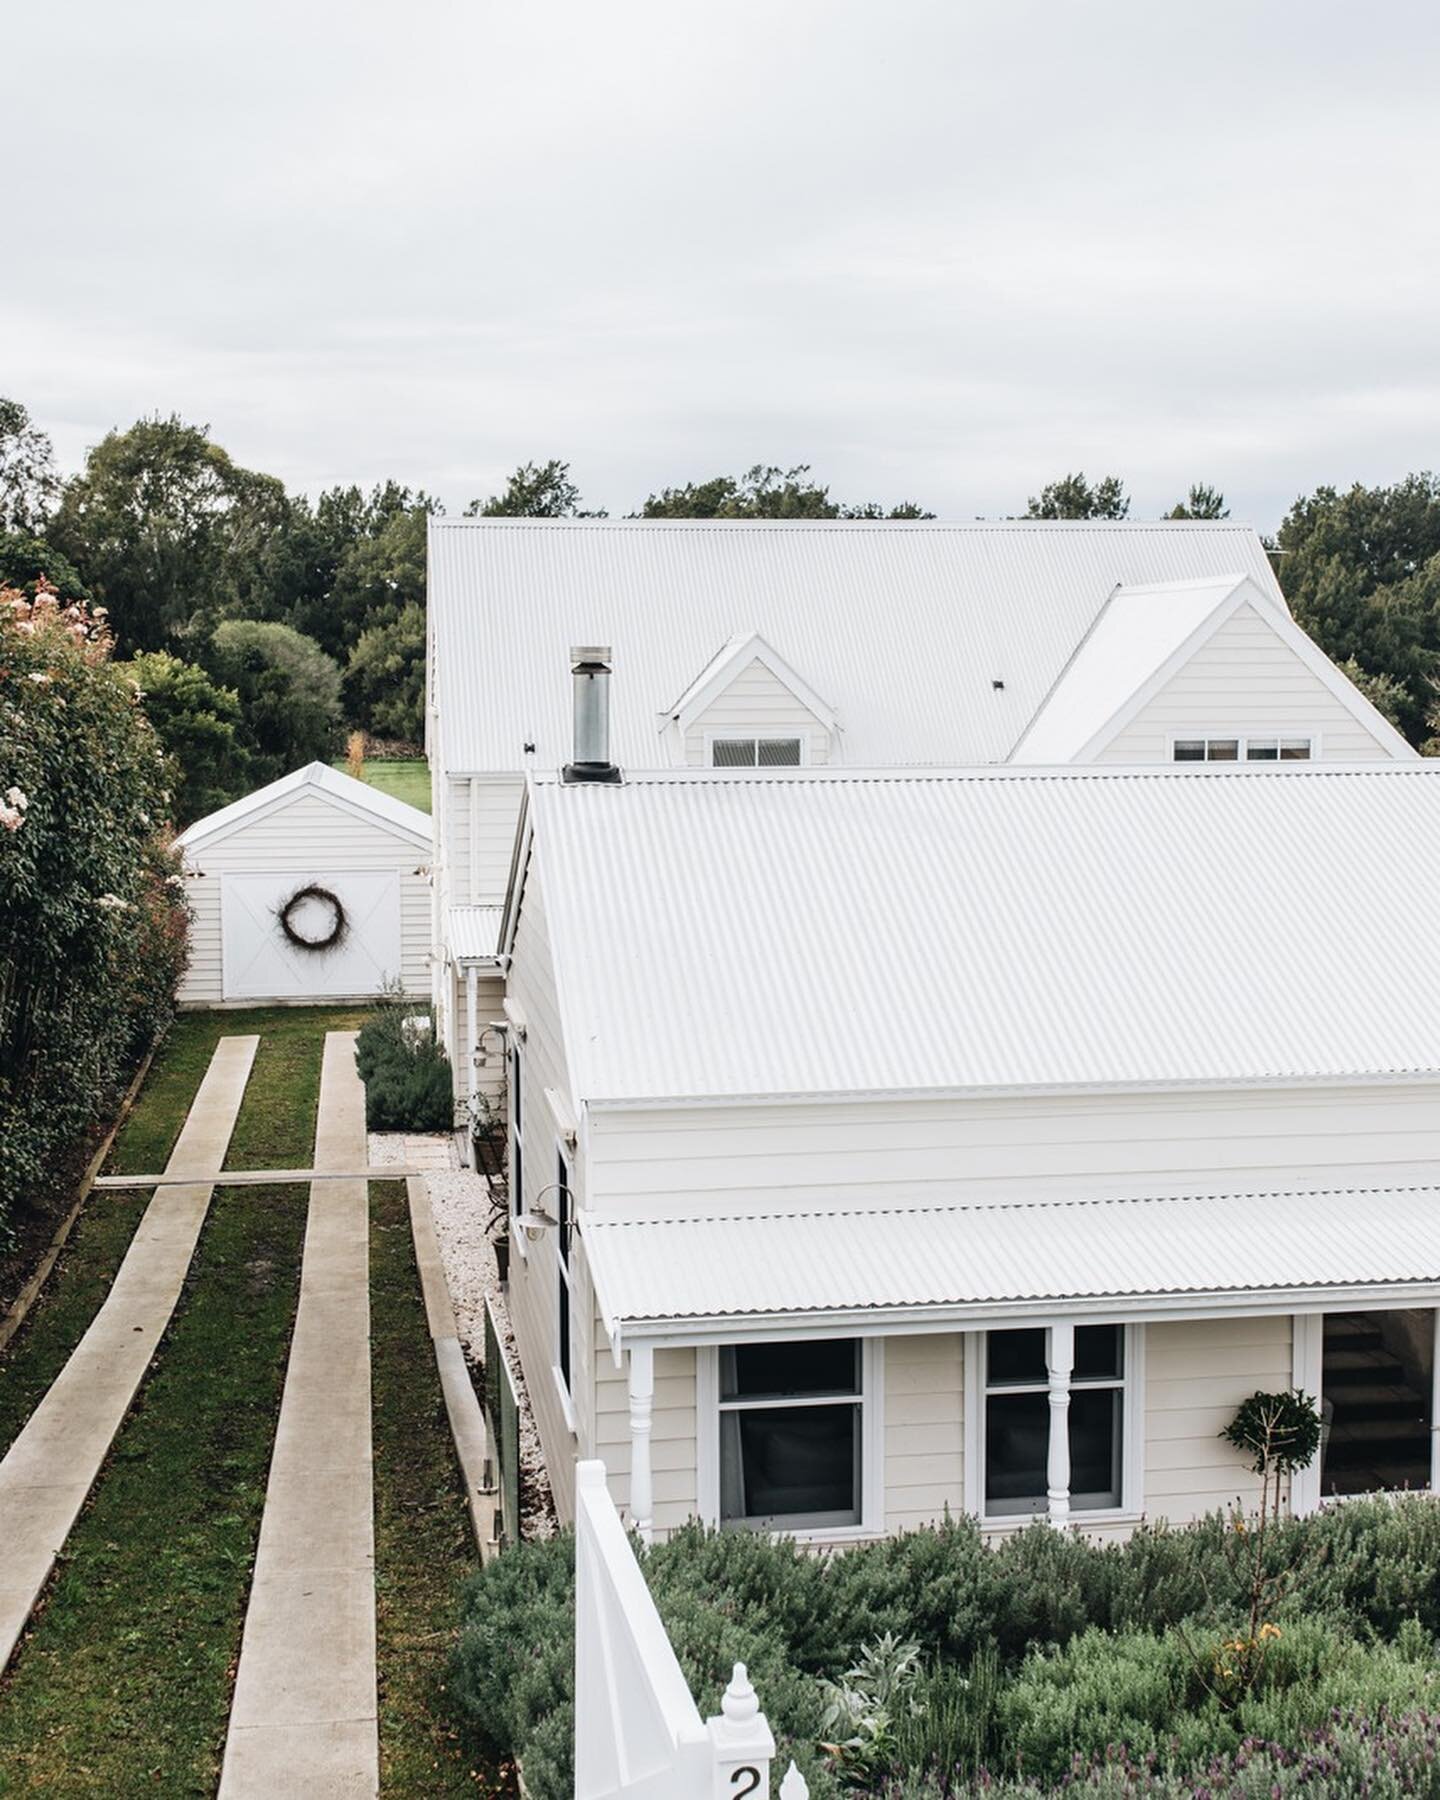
(893, 1142)
(853, 644)
(272, 876)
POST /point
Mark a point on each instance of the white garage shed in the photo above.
(315, 888)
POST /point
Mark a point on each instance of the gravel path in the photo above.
(460, 1203)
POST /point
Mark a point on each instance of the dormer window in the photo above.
(755, 753)
(1242, 749)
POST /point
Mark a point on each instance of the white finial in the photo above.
(739, 1702)
(794, 1786)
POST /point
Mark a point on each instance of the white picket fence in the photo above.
(638, 1731)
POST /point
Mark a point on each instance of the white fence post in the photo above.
(638, 1731)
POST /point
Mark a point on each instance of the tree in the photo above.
(348, 557)
(1361, 570)
(198, 723)
(171, 535)
(289, 693)
(534, 491)
(766, 492)
(28, 563)
(379, 576)
(1072, 497)
(385, 680)
(29, 484)
(1202, 502)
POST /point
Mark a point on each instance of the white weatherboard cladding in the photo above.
(993, 1261)
(847, 932)
(261, 963)
(904, 628)
(757, 704)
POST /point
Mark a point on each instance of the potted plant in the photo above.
(489, 1139)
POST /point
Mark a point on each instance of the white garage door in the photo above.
(262, 963)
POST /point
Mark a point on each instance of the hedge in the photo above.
(92, 916)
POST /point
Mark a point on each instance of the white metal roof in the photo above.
(358, 796)
(973, 1262)
(474, 932)
(905, 628)
(822, 932)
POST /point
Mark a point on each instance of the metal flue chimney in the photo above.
(590, 671)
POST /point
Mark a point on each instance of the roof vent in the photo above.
(590, 670)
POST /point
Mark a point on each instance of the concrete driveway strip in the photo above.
(304, 1717)
(53, 1463)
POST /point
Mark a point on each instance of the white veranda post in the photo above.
(1060, 1361)
(642, 1414)
(472, 1046)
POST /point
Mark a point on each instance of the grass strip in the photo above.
(423, 1547)
(122, 1688)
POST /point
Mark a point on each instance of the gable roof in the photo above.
(316, 777)
(829, 933)
(1142, 637)
(904, 628)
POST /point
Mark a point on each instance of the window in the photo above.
(563, 1214)
(1243, 749)
(791, 1427)
(517, 1153)
(1017, 1420)
(754, 753)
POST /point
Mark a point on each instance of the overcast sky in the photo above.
(940, 250)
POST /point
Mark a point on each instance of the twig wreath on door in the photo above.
(303, 929)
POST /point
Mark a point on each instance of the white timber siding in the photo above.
(531, 990)
(1197, 1371)
(451, 1016)
(923, 1429)
(480, 812)
(889, 1153)
(306, 836)
(757, 704)
(672, 1445)
(1244, 680)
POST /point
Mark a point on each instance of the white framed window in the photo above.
(1272, 746)
(564, 1216)
(756, 752)
(790, 1436)
(1009, 1415)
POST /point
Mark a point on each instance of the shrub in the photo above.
(92, 920)
(408, 1085)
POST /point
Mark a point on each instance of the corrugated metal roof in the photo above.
(975, 1259)
(474, 932)
(823, 932)
(1135, 634)
(314, 776)
(904, 628)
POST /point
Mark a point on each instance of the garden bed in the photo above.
(934, 1665)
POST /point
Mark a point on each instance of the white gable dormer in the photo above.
(749, 708)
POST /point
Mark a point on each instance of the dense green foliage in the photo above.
(408, 1085)
(385, 680)
(198, 723)
(1073, 497)
(766, 493)
(1041, 1650)
(288, 690)
(92, 923)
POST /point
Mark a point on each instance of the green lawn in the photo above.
(123, 1686)
(407, 778)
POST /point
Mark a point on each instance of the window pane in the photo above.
(1095, 1447)
(1294, 749)
(779, 753)
(1262, 750)
(1222, 750)
(1017, 1441)
(791, 1462)
(1015, 1356)
(777, 1371)
(1099, 1352)
(732, 753)
(1189, 749)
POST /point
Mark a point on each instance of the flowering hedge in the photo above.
(92, 917)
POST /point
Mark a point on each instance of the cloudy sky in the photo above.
(939, 249)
